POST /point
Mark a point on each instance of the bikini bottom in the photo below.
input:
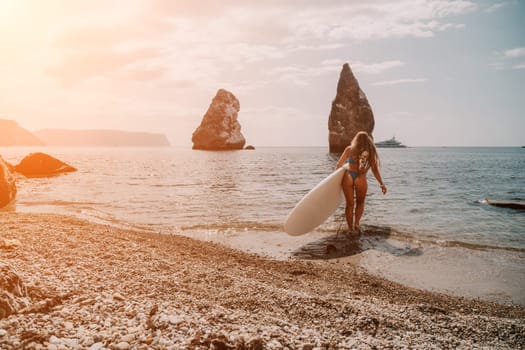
(354, 174)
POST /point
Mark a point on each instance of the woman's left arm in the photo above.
(377, 175)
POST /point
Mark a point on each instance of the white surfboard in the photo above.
(317, 205)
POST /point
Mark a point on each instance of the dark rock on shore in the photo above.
(7, 183)
(350, 112)
(249, 147)
(520, 205)
(13, 293)
(42, 165)
(219, 128)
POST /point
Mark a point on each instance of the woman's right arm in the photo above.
(343, 158)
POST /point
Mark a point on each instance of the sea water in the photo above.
(241, 198)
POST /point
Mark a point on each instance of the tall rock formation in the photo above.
(350, 112)
(11, 134)
(7, 183)
(219, 128)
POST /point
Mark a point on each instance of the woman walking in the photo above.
(360, 156)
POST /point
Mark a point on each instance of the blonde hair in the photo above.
(363, 142)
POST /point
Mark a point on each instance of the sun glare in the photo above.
(9, 12)
(7, 8)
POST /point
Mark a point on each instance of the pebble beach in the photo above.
(92, 286)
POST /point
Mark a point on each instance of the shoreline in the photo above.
(96, 286)
(490, 274)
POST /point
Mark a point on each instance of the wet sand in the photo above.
(466, 270)
(95, 286)
(475, 272)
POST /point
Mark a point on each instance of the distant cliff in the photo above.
(101, 138)
(12, 134)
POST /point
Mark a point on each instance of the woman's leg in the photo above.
(361, 187)
(348, 189)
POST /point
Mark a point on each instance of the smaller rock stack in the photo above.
(219, 128)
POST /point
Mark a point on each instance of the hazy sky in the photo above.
(435, 72)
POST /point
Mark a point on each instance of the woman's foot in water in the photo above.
(353, 232)
(350, 230)
(357, 229)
